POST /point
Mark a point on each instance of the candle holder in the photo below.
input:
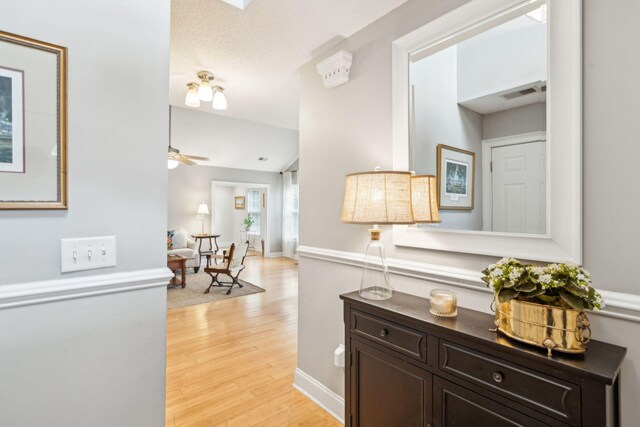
(443, 303)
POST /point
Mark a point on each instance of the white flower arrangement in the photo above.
(567, 285)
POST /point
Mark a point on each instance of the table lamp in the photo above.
(203, 210)
(377, 197)
(424, 199)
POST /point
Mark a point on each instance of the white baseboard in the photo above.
(274, 255)
(320, 394)
(21, 294)
(618, 304)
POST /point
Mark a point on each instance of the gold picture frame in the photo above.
(239, 202)
(456, 178)
(32, 186)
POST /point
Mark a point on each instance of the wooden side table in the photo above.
(175, 263)
(199, 238)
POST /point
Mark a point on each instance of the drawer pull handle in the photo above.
(383, 332)
(497, 377)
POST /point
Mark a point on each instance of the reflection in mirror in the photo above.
(478, 122)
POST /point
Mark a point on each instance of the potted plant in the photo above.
(543, 305)
(248, 222)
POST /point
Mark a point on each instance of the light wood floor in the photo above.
(231, 362)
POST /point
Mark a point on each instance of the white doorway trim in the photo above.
(487, 187)
(267, 189)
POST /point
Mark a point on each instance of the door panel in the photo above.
(519, 177)
(387, 391)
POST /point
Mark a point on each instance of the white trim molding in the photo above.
(324, 397)
(563, 241)
(274, 255)
(22, 294)
(618, 304)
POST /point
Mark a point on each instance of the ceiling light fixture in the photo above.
(219, 99)
(192, 99)
(205, 91)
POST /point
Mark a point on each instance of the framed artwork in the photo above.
(33, 124)
(456, 169)
(239, 202)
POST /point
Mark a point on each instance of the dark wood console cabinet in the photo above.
(406, 367)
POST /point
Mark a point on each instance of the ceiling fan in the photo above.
(174, 157)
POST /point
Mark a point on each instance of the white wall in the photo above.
(440, 120)
(96, 361)
(222, 212)
(232, 143)
(502, 59)
(238, 214)
(293, 166)
(190, 185)
(356, 122)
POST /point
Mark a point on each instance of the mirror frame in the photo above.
(563, 241)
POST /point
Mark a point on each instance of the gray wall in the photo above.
(96, 361)
(117, 126)
(440, 120)
(356, 122)
(525, 119)
(190, 185)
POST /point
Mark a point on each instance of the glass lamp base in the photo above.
(376, 293)
(375, 284)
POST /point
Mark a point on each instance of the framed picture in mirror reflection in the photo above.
(455, 172)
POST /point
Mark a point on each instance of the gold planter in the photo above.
(553, 328)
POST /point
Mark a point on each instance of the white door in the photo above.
(519, 187)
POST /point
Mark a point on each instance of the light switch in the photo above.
(87, 253)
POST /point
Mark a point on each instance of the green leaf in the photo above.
(577, 290)
(508, 284)
(549, 299)
(532, 294)
(526, 287)
(507, 295)
(574, 302)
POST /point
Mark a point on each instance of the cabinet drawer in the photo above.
(456, 406)
(546, 394)
(399, 338)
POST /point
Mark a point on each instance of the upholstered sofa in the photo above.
(179, 243)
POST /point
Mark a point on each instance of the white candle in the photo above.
(443, 303)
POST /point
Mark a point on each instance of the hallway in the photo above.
(231, 362)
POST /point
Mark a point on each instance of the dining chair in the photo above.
(231, 266)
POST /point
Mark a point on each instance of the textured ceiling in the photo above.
(255, 53)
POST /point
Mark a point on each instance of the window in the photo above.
(253, 209)
(291, 215)
(295, 212)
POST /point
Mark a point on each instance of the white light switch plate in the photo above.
(87, 253)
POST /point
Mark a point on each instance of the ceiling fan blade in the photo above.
(185, 161)
(206, 159)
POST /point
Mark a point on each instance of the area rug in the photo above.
(196, 285)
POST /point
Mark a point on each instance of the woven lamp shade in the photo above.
(424, 199)
(377, 197)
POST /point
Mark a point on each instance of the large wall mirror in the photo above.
(487, 98)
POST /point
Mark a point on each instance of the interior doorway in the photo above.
(241, 212)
